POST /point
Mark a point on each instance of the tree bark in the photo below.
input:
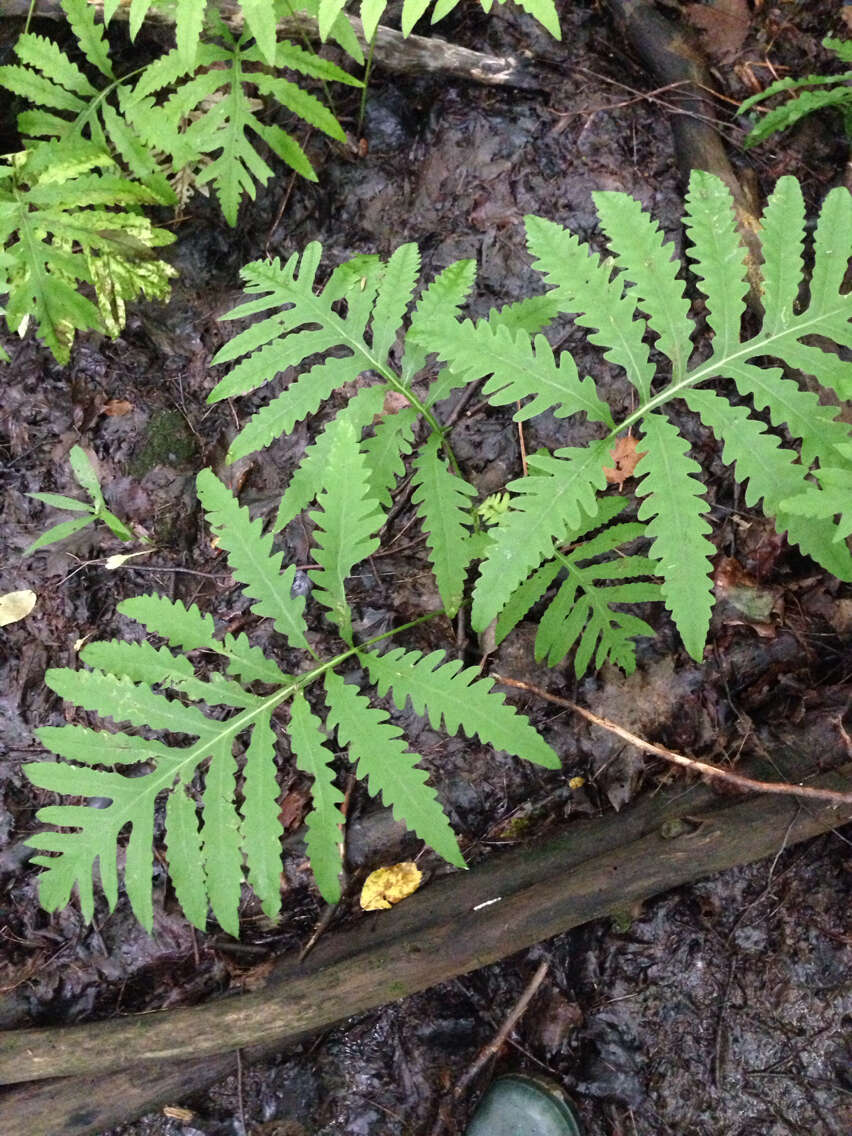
(455, 925)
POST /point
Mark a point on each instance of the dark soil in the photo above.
(717, 1010)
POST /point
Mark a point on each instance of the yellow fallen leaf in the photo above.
(16, 605)
(576, 782)
(120, 558)
(387, 886)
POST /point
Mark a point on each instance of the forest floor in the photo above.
(720, 1009)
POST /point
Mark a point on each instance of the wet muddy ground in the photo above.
(717, 1010)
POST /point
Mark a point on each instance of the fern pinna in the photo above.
(220, 786)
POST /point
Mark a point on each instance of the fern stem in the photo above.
(368, 67)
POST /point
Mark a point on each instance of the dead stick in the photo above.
(747, 784)
(499, 1039)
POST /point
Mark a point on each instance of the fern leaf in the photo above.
(98, 747)
(90, 36)
(833, 498)
(189, 23)
(582, 609)
(650, 265)
(444, 691)
(773, 475)
(718, 258)
(327, 15)
(300, 102)
(584, 285)
(220, 838)
(346, 521)
(545, 507)
(314, 469)
(261, 828)
(520, 369)
(384, 451)
(788, 405)
(781, 238)
(119, 698)
(185, 855)
(309, 63)
(378, 751)
(324, 839)
(444, 504)
(249, 663)
(300, 399)
(252, 560)
(440, 301)
(44, 55)
(395, 292)
(181, 626)
(673, 506)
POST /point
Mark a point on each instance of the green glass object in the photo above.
(524, 1106)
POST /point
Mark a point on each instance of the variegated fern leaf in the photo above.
(63, 224)
(71, 108)
(219, 782)
(746, 406)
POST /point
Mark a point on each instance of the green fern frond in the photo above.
(251, 559)
(347, 519)
(582, 610)
(371, 11)
(211, 114)
(444, 501)
(830, 91)
(324, 840)
(460, 697)
(546, 507)
(90, 34)
(834, 498)
(771, 474)
(674, 508)
(377, 749)
(386, 451)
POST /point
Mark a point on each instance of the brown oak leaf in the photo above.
(625, 457)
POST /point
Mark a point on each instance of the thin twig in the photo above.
(747, 784)
(501, 1036)
(522, 443)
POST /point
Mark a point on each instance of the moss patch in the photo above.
(169, 441)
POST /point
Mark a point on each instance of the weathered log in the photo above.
(411, 55)
(589, 871)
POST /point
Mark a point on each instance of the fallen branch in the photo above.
(747, 784)
(414, 55)
(456, 925)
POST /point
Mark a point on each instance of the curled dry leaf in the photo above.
(387, 886)
(16, 605)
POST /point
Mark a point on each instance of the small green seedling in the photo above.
(87, 479)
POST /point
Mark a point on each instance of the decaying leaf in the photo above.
(387, 886)
(625, 457)
(16, 605)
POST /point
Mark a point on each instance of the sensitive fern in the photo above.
(357, 322)
(607, 296)
(219, 784)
